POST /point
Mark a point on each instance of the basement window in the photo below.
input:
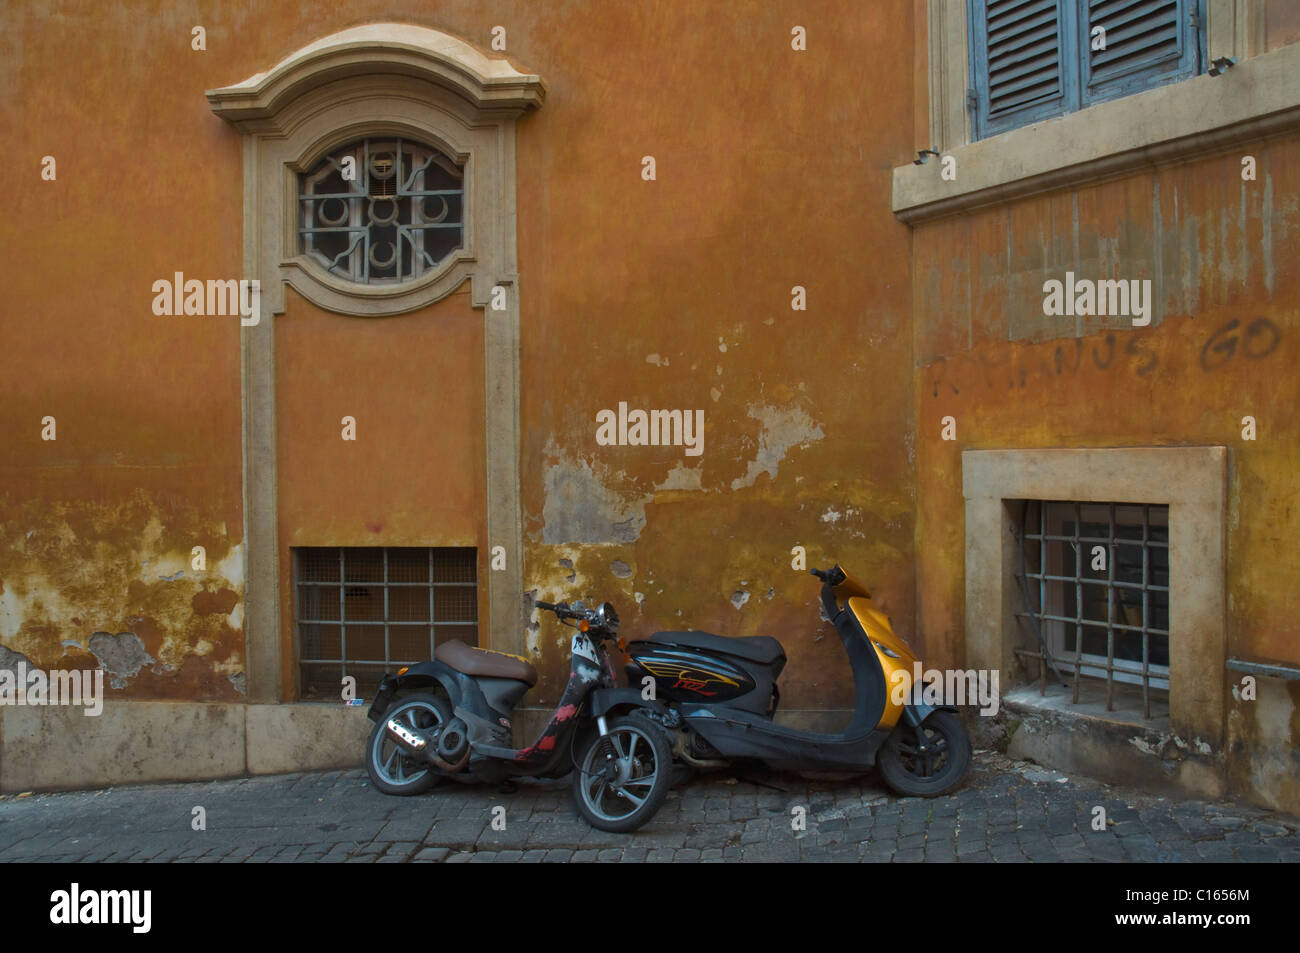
(381, 211)
(1094, 583)
(366, 611)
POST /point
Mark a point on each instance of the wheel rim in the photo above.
(619, 772)
(927, 755)
(391, 762)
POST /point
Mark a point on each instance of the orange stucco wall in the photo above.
(821, 426)
(773, 170)
(1218, 250)
(667, 294)
(414, 475)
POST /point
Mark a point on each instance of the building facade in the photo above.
(649, 302)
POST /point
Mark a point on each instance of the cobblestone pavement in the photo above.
(1006, 811)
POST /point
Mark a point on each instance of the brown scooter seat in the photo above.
(471, 661)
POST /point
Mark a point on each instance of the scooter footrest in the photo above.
(492, 751)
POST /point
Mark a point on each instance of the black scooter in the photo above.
(718, 695)
(451, 718)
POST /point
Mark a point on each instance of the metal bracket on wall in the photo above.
(1267, 669)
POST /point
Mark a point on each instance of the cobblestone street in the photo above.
(1007, 812)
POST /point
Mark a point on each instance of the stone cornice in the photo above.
(489, 84)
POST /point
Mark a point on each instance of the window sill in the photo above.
(1257, 97)
(1059, 700)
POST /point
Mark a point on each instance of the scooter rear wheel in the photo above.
(391, 770)
(935, 769)
(623, 777)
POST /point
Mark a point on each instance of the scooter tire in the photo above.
(944, 725)
(651, 733)
(381, 776)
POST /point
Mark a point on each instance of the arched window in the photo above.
(382, 211)
(426, 207)
(379, 169)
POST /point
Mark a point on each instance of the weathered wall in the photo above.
(773, 171)
(97, 526)
(1281, 23)
(1218, 250)
(667, 294)
(414, 475)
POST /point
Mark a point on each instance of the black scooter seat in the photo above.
(757, 648)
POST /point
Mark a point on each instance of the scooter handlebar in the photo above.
(561, 610)
(831, 577)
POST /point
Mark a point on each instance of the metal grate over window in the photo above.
(365, 611)
(1095, 581)
(381, 211)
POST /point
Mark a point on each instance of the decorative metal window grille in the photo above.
(382, 211)
(1095, 580)
(363, 612)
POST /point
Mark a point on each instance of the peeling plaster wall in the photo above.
(1218, 250)
(87, 585)
(773, 170)
(97, 526)
(691, 276)
(676, 294)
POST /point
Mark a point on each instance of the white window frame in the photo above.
(1259, 96)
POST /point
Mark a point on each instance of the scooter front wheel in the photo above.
(623, 777)
(928, 760)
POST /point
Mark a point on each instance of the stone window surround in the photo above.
(380, 79)
(1192, 481)
(1260, 96)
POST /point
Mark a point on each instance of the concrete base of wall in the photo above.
(60, 748)
(1109, 746)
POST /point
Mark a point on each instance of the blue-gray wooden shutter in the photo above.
(1023, 64)
(1148, 42)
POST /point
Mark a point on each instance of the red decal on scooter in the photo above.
(693, 685)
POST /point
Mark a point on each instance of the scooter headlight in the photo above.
(606, 617)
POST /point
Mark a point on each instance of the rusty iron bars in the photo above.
(1124, 597)
(364, 611)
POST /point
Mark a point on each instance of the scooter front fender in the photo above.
(915, 714)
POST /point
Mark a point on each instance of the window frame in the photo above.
(1077, 91)
(1167, 124)
(385, 585)
(376, 79)
(1192, 481)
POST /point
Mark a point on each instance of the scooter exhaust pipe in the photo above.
(417, 745)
